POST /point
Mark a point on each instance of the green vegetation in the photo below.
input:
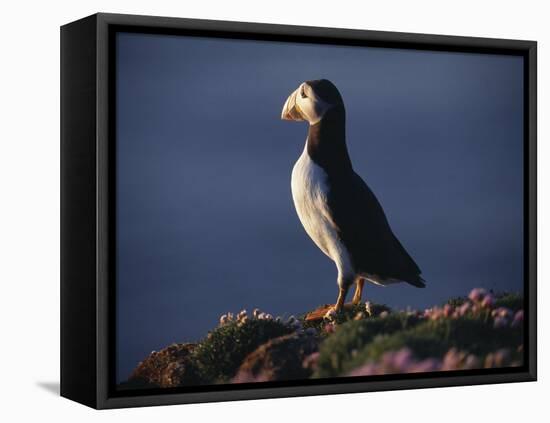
(353, 336)
(512, 301)
(434, 338)
(477, 331)
(220, 354)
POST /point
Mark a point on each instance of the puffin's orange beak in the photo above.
(291, 111)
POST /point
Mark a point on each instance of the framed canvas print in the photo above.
(256, 211)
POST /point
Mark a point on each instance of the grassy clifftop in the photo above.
(479, 331)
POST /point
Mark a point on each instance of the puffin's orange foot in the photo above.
(319, 313)
(335, 311)
(332, 313)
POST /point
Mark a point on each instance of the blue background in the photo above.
(205, 220)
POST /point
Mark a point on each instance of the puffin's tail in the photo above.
(419, 282)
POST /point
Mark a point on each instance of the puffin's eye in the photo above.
(303, 92)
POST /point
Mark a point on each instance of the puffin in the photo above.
(337, 209)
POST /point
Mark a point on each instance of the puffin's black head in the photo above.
(311, 100)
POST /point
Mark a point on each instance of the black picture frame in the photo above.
(88, 204)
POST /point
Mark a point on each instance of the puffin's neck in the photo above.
(326, 142)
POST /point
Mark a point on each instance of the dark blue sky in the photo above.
(205, 220)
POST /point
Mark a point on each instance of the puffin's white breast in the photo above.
(310, 192)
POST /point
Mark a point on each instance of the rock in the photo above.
(167, 368)
(350, 311)
(279, 359)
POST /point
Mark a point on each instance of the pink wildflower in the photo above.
(477, 294)
(502, 312)
(498, 358)
(463, 309)
(400, 359)
(457, 360)
(428, 365)
(310, 362)
(488, 301)
(518, 319)
(329, 328)
(365, 370)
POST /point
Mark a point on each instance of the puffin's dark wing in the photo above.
(364, 229)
